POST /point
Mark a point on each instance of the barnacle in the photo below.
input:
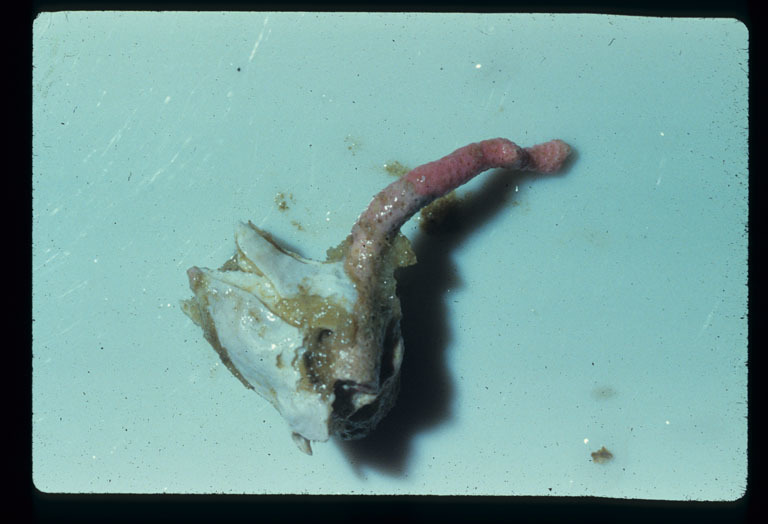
(284, 325)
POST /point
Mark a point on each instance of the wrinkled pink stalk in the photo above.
(372, 235)
(398, 202)
(375, 229)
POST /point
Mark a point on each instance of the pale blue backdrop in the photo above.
(605, 306)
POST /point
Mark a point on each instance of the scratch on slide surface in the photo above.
(258, 40)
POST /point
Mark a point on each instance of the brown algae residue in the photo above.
(282, 202)
(442, 215)
(395, 168)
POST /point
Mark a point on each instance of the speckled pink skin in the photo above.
(398, 202)
(376, 227)
(438, 178)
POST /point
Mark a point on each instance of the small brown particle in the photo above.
(602, 456)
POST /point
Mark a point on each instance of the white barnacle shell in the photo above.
(287, 328)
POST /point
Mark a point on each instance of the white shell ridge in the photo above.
(264, 311)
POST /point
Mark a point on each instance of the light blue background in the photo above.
(602, 307)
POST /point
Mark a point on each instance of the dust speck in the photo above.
(353, 144)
